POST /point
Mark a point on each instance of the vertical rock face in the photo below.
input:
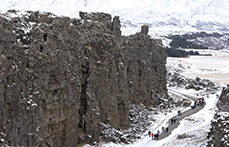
(61, 78)
(218, 135)
(145, 29)
(149, 60)
(223, 103)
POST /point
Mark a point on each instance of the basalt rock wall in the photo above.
(60, 78)
(218, 135)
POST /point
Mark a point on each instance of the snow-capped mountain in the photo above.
(160, 15)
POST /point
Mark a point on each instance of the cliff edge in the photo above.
(61, 78)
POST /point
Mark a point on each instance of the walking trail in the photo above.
(180, 117)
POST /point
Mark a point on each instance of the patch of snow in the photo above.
(223, 114)
(34, 104)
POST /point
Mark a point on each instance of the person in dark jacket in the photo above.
(149, 133)
(158, 133)
(167, 129)
(156, 136)
(172, 120)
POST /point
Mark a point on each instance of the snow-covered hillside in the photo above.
(163, 16)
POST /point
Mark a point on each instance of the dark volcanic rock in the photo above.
(61, 78)
(218, 135)
(223, 103)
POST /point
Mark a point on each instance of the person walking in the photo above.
(167, 129)
(158, 132)
(179, 112)
(163, 129)
(172, 121)
(149, 133)
(152, 136)
(156, 136)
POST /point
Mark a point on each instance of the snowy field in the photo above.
(214, 68)
(164, 16)
(192, 131)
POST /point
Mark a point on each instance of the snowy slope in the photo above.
(160, 15)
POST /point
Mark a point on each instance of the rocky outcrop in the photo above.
(177, 80)
(223, 103)
(218, 135)
(62, 78)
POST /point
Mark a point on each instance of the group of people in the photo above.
(173, 120)
(156, 135)
(165, 129)
(201, 101)
(198, 102)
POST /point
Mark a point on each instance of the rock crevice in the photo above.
(62, 78)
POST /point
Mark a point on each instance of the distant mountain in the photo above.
(163, 16)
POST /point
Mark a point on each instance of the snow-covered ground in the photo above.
(214, 68)
(192, 130)
(162, 16)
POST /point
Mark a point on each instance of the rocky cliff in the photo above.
(218, 135)
(61, 78)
